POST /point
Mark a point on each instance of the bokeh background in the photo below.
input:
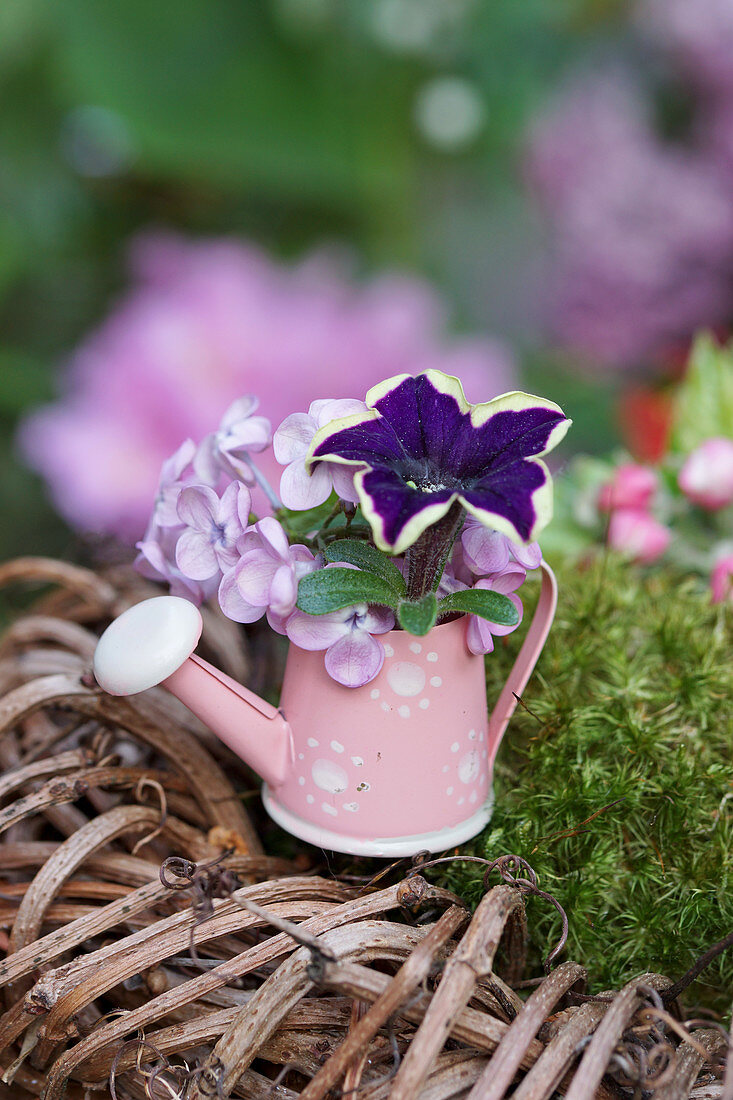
(542, 191)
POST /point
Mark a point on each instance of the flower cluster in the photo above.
(204, 321)
(406, 509)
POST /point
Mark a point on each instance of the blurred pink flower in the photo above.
(631, 486)
(641, 231)
(637, 534)
(707, 475)
(721, 580)
(207, 321)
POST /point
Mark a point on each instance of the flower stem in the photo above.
(427, 556)
(264, 484)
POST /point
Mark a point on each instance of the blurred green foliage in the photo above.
(287, 121)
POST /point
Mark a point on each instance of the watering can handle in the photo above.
(526, 660)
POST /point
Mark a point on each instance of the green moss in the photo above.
(632, 700)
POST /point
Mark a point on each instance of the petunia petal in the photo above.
(516, 500)
(378, 620)
(363, 438)
(355, 659)
(397, 513)
(323, 412)
(428, 415)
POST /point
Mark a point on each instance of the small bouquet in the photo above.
(405, 510)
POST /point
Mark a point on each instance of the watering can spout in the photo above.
(153, 643)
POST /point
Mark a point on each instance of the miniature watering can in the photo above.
(398, 766)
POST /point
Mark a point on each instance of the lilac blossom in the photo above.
(206, 321)
(239, 435)
(291, 442)
(706, 477)
(353, 655)
(156, 561)
(157, 557)
(207, 547)
(480, 633)
(484, 551)
(420, 447)
(265, 577)
(176, 473)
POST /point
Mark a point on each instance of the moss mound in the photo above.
(632, 700)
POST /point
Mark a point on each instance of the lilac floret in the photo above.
(265, 577)
(353, 656)
(208, 545)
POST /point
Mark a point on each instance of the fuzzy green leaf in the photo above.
(332, 589)
(365, 556)
(418, 616)
(481, 601)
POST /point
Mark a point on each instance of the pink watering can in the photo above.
(401, 765)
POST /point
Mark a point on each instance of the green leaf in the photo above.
(704, 401)
(302, 524)
(331, 589)
(481, 601)
(418, 616)
(365, 556)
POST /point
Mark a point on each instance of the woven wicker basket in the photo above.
(150, 949)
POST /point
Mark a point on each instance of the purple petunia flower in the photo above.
(420, 447)
(353, 656)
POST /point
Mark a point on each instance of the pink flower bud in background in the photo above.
(631, 486)
(707, 475)
(637, 534)
(721, 580)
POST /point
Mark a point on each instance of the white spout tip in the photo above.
(146, 644)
